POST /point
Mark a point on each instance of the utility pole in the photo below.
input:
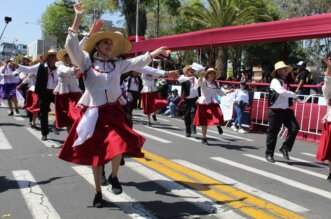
(137, 22)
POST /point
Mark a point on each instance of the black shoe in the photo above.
(104, 180)
(188, 135)
(220, 130)
(56, 131)
(154, 117)
(149, 124)
(204, 141)
(43, 137)
(11, 113)
(122, 161)
(116, 187)
(97, 201)
(329, 178)
(17, 111)
(285, 153)
(33, 126)
(269, 158)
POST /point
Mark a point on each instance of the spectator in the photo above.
(173, 101)
(302, 78)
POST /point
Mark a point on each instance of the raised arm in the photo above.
(95, 27)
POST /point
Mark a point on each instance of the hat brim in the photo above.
(47, 55)
(274, 72)
(61, 54)
(120, 46)
(186, 68)
(218, 73)
(34, 62)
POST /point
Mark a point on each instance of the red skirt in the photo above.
(152, 102)
(32, 103)
(324, 147)
(65, 109)
(208, 115)
(112, 136)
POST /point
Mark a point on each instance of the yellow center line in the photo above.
(219, 191)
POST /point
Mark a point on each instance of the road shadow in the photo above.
(11, 124)
(7, 184)
(302, 164)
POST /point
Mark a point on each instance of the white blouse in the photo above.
(102, 77)
(67, 80)
(241, 95)
(9, 76)
(149, 76)
(194, 85)
(282, 100)
(209, 92)
(327, 95)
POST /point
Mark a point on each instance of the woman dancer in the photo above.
(102, 133)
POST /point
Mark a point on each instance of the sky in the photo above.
(25, 14)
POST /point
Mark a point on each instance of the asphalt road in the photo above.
(178, 178)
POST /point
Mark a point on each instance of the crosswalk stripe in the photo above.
(287, 166)
(232, 136)
(172, 133)
(309, 154)
(284, 180)
(36, 200)
(304, 161)
(256, 192)
(188, 195)
(153, 137)
(248, 204)
(37, 134)
(127, 204)
(4, 143)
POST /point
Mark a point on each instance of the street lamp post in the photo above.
(7, 20)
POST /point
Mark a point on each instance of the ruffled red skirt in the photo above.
(112, 136)
(324, 147)
(208, 115)
(152, 102)
(32, 102)
(65, 109)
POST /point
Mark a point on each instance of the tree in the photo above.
(222, 13)
(94, 9)
(57, 18)
(128, 10)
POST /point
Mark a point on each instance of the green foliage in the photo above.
(57, 18)
(94, 8)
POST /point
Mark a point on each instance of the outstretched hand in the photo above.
(78, 8)
(172, 74)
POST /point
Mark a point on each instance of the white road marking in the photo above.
(281, 179)
(128, 205)
(47, 143)
(246, 188)
(4, 143)
(174, 134)
(224, 134)
(188, 195)
(309, 154)
(153, 137)
(303, 161)
(34, 197)
(287, 166)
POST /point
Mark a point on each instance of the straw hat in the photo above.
(186, 68)
(278, 66)
(34, 62)
(27, 57)
(61, 54)
(121, 45)
(49, 52)
(218, 73)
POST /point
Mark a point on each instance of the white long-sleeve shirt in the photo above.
(8, 75)
(149, 76)
(327, 95)
(209, 92)
(67, 80)
(102, 80)
(282, 100)
(194, 85)
(241, 95)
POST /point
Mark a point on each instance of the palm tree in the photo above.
(128, 9)
(222, 13)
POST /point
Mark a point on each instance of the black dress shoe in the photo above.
(285, 153)
(188, 135)
(116, 187)
(269, 158)
(11, 113)
(220, 130)
(43, 137)
(104, 180)
(149, 124)
(204, 141)
(97, 201)
(56, 131)
(154, 117)
(329, 178)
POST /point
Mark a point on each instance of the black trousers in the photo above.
(189, 112)
(276, 119)
(134, 97)
(45, 100)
